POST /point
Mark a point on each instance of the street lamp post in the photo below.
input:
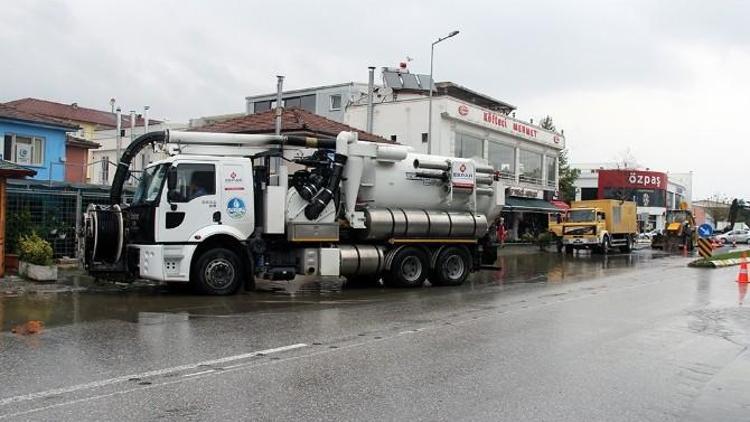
(429, 124)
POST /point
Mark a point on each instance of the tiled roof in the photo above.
(9, 169)
(74, 113)
(80, 142)
(293, 120)
(9, 112)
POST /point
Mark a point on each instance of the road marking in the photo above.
(154, 373)
(195, 374)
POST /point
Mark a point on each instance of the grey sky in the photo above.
(666, 79)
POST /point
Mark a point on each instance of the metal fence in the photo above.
(56, 215)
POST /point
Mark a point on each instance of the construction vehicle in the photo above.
(599, 225)
(223, 209)
(680, 231)
(739, 212)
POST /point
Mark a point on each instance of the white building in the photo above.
(104, 159)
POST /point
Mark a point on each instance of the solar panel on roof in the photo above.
(410, 81)
(392, 80)
(424, 82)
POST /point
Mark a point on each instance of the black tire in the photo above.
(605, 247)
(408, 268)
(452, 267)
(569, 249)
(218, 272)
(628, 245)
(559, 246)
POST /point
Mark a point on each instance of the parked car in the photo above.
(734, 236)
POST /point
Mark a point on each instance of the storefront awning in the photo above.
(562, 205)
(513, 203)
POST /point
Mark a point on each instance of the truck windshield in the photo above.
(150, 186)
(676, 217)
(581, 216)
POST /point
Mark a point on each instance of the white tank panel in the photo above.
(397, 185)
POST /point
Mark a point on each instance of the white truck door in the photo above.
(191, 205)
(236, 204)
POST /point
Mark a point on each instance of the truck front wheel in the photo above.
(408, 268)
(218, 272)
(452, 266)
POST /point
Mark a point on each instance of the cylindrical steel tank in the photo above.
(388, 223)
(361, 259)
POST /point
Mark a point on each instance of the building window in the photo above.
(335, 102)
(531, 167)
(292, 102)
(425, 138)
(307, 102)
(105, 169)
(551, 173)
(24, 150)
(503, 159)
(393, 138)
(262, 106)
(468, 146)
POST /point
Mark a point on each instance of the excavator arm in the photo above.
(739, 210)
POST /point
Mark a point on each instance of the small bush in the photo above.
(34, 250)
(542, 240)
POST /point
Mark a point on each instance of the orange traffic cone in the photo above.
(742, 277)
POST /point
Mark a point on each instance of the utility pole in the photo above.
(432, 82)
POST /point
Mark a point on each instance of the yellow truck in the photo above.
(599, 225)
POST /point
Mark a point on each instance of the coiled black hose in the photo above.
(326, 193)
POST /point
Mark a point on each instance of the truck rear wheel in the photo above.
(452, 266)
(218, 272)
(628, 245)
(408, 268)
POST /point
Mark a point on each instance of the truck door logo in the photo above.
(236, 208)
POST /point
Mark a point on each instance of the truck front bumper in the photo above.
(162, 262)
(581, 241)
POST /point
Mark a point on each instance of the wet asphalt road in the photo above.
(639, 337)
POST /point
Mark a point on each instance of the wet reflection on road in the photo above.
(148, 304)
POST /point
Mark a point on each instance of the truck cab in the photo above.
(181, 201)
(599, 225)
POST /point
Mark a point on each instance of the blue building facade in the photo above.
(35, 142)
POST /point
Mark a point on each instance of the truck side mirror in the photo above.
(171, 179)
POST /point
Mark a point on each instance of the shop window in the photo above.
(425, 138)
(502, 158)
(24, 150)
(468, 146)
(531, 166)
(335, 101)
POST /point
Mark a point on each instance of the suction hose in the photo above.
(121, 175)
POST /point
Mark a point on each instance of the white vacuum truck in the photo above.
(224, 209)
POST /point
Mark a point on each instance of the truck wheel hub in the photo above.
(411, 268)
(453, 267)
(219, 273)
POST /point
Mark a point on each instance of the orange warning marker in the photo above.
(742, 277)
